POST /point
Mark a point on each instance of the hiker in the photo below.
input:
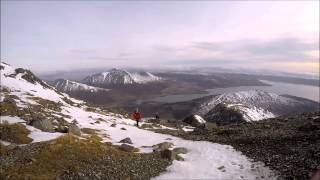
(157, 115)
(136, 116)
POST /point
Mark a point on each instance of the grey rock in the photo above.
(127, 148)
(113, 125)
(62, 129)
(126, 140)
(11, 146)
(43, 125)
(74, 129)
(168, 154)
(123, 128)
(162, 146)
(193, 121)
(180, 150)
(179, 158)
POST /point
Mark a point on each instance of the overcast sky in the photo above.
(48, 36)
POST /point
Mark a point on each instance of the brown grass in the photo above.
(15, 133)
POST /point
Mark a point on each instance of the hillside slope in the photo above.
(42, 113)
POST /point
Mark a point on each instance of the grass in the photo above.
(15, 133)
(3, 149)
(47, 103)
(7, 108)
(65, 153)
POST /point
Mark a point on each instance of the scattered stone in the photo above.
(113, 125)
(126, 140)
(127, 148)
(123, 128)
(11, 146)
(74, 129)
(221, 167)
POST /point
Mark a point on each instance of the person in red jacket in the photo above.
(136, 116)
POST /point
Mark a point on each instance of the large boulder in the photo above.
(171, 155)
(43, 124)
(74, 129)
(162, 146)
(195, 120)
(127, 148)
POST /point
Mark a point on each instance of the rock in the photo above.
(180, 150)
(194, 120)
(126, 140)
(179, 158)
(162, 146)
(127, 148)
(201, 130)
(62, 129)
(123, 128)
(42, 124)
(11, 146)
(168, 154)
(113, 125)
(74, 129)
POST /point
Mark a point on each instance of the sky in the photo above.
(48, 36)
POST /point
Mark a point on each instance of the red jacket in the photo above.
(136, 116)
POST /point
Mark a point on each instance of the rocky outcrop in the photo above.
(74, 129)
(162, 146)
(43, 125)
(194, 120)
(127, 148)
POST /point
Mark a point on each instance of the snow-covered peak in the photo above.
(72, 86)
(120, 76)
(253, 105)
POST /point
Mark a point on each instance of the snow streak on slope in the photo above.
(72, 86)
(204, 159)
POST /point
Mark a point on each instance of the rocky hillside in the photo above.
(289, 144)
(45, 134)
(120, 77)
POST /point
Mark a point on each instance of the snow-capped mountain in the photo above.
(65, 85)
(119, 76)
(252, 105)
(27, 99)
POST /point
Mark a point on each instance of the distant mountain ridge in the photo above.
(72, 86)
(120, 76)
(252, 105)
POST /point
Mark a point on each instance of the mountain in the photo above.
(72, 86)
(41, 128)
(251, 105)
(121, 77)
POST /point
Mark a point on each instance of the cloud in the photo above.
(282, 49)
(105, 58)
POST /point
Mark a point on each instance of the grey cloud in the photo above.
(284, 49)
